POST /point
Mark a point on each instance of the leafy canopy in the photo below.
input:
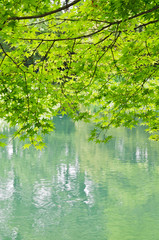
(95, 60)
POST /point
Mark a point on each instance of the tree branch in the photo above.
(2, 60)
(76, 20)
(45, 14)
(119, 21)
(112, 23)
(11, 58)
(145, 24)
(145, 12)
(67, 39)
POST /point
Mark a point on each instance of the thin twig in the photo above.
(145, 24)
(2, 60)
(11, 58)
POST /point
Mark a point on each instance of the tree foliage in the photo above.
(95, 60)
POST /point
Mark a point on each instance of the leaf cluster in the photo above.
(67, 57)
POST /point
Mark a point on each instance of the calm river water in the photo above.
(75, 189)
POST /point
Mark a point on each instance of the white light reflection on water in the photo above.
(141, 154)
(6, 207)
(89, 189)
(42, 194)
(10, 149)
(7, 186)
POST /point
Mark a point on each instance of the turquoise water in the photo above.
(75, 189)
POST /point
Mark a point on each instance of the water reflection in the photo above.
(76, 189)
(7, 186)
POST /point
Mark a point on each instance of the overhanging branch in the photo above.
(45, 14)
(67, 39)
(145, 24)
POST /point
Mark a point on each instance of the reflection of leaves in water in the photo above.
(127, 146)
(128, 166)
(64, 125)
(75, 189)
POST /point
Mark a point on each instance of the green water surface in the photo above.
(75, 189)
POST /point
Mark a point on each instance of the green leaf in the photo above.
(2, 136)
(26, 146)
(2, 144)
